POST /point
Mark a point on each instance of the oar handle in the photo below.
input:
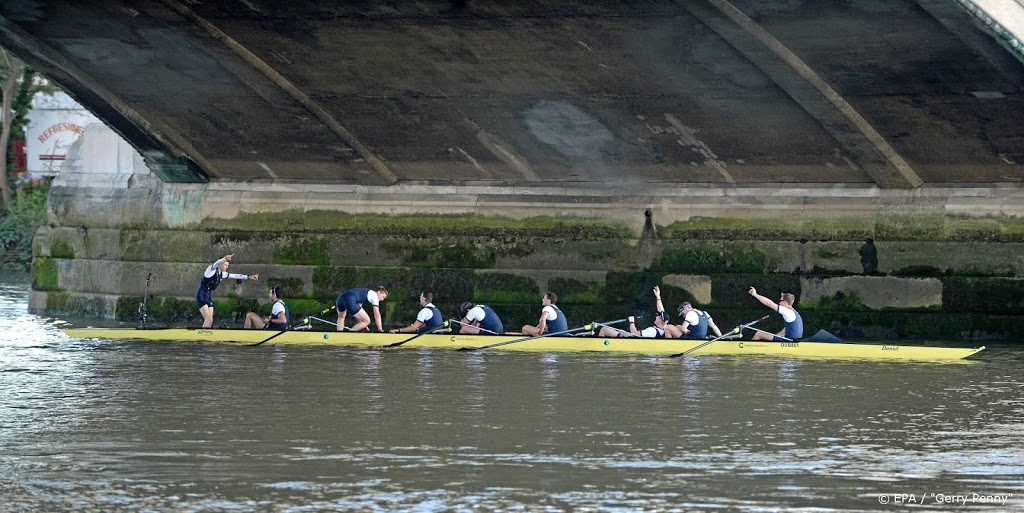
(293, 326)
(737, 329)
(477, 327)
(585, 327)
(420, 334)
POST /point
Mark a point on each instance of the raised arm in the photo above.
(657, 297)
(764, 301)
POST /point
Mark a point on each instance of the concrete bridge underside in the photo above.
(886, 93)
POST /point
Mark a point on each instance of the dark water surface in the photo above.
(122, 426)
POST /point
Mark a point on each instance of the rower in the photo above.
(695, 324)
(428, 319)
(552, 320)
(279, 316)
(794, 329)
(656, 331)
(477, 319)
(351, 302)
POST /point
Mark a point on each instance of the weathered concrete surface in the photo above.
(576, 94)
(877, 292)
(697, 285)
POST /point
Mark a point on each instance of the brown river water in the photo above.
(144, 426)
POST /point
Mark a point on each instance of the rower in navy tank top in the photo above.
(428, 319)
(552, 320)
(794, 329)
(210, 280)
(696, 324)
(351, 302)
(480, 319)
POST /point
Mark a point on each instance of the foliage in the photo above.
(26, 213)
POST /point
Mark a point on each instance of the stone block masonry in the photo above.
(863, 261)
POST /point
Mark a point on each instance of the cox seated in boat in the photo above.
(656, 331)
(552, 320)
(279, 316)
(480, 319)
(428, 319)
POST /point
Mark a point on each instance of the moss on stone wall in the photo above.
(575, 292)
(429, 254)
(57, 301)
(982, 295)
(464, 258)
(44, 274)
(168, 310)
(301, 251)
(702, 228)
(419, 225)
(61, 249)
(290, 287)
(495, 288)
(885, 227)
(329, 282)
(455, 257)
(167, 245)
(705, 260)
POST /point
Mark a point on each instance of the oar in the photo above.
(420, 334)
(735, 330)
(477, 327)
(293, 326)
(585, 327)
(627, 333)
(784, 339)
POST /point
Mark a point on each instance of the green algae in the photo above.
(301, 251)
(883, 227)
(705, 260)
(418, 225)
(44, 274)
(61, 249)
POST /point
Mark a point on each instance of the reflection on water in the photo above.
(198, 427)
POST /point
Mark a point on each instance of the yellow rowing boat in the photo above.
(887, 351)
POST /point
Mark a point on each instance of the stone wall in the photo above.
(934, 261)
(883, 276)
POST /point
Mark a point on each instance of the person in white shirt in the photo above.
(278, 318)
(480, 319)
(794, 329)
(552, 320)
(428, 319)
(656, 331)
